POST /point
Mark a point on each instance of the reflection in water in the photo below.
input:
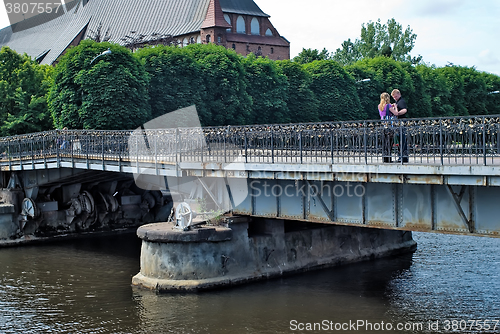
(83, 286)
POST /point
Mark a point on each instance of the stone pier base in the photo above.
(212, 257)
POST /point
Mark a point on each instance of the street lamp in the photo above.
(107, 52)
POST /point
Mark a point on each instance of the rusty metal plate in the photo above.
(416, 207)
(291, 200)
(380, 204)
(471, 180)
(348, 204)
(447, 215)
(319, 196)
(487, 210)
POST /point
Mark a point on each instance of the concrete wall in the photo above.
(262, 250)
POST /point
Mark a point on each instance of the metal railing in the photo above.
(442, 141)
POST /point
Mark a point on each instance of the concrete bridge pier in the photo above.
(248, 248)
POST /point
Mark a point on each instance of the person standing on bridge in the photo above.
(384, 110)
(399, 110)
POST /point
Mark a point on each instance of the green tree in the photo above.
(457, 91)
(419, 95)
(109, 93)
(23, 89)
(302, 104)
(492, 100)
(385, 74)
(268, 88)
(348, 54)
(335, 90)
(176, 80)
(308, 56)
(225, 96)
(377, 39)
(475, 89)
(438, 89)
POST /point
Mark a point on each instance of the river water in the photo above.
(83, 286)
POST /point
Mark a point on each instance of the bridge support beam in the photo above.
(444, 208)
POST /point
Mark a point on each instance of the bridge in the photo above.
(331, 173)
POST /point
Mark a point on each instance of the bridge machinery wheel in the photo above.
(105, 201)
(87, 201)
(183, 215)
(148, 200)
(88, 217)
(76, 205)
(113, 202)
(29, 208)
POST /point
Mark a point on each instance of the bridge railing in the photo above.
(456, 140)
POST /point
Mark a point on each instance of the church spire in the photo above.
(215, 16)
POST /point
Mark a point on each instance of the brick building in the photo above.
(237, 24)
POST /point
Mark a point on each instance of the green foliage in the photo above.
(124, 90)
(308, 56)
(224, 95)
(457, 89)
(385, 74)
(492, 99)
(335, 90)
(108, 93)
(418, 97)
(268, 88)
(438, 88)
(348, 54)
(379, 39)
(176, 80)
(303, 106)
(23, 89)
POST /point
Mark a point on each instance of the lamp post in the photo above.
(107, 52)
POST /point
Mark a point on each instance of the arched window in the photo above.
(198, 39)
(269, 32)
(272, 50)
(255, 28)
(185, 42)
(234, 46)
(191, 40)
(209, 39)
(228, 20)
(240, 25)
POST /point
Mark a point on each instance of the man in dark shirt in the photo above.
(400, 110)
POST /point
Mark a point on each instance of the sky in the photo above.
(462, 32)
